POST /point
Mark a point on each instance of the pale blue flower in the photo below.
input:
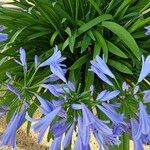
(144, 122)
(100, 68)
(36, 60)
(3, 37)
(138, 145)
(107, 95)
(125, 86)
(55, 89)
(23, 57)
(145, 68)
(9, 136)
(136, 89)
(111, 113)
(53, 77)
(56, 144)
(23, 61)
(68, 136)
(46, 106)
(40, 126)
(15, 91)
(146, 96)
(55, 64)
(148, 30)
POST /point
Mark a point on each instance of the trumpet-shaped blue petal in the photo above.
(42, 124)
(53, 77)
(9, 136)
(58, 71)
(148, 30)
(15, 91)
(60, 130)
(56, 89)
(101, 75)
(145, 68)
(115, 117)
(125, 86)
(106, 95)
(46, 106)
(23, 58)
(79, 145)
(136, 89)
(138, 145)
(56, 57)
(68, 136)
(102, 65)
(55, 64)
(144, 122)
(146, 96)
(56, 144)
(36, 60)
(3, 37)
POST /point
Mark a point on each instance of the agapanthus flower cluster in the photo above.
(72, 110)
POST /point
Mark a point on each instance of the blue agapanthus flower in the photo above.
(148, 30)
(145, 71)
(15, 91)
(55, 64)
(3, 36)
(146, 96)
(23, 61)
(138, 144)
(144, 122)
(9, 136)
(100, 68)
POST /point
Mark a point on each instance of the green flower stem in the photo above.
(30, 81)
(124, 142)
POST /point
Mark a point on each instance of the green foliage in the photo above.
(110, 27)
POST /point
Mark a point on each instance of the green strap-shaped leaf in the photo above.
(101, 42)
(115, 50)
(79, 62)
(119, 66)
(85, 27)
(124, 35)
(85, 43)
(95, 5)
